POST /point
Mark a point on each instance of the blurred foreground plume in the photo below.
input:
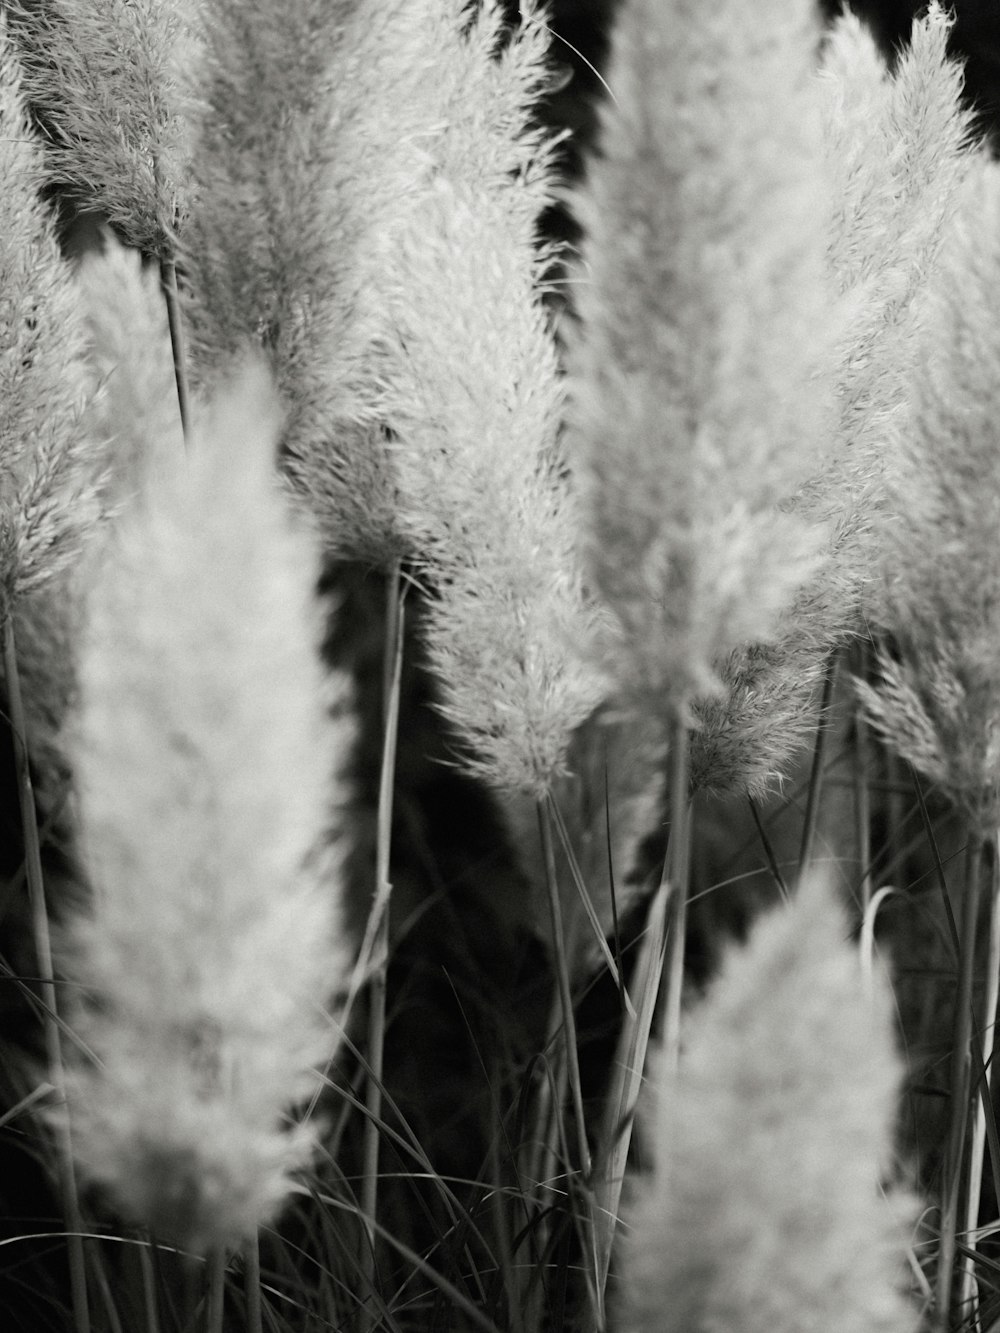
(203, 748)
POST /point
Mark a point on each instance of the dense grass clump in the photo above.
(501, 751)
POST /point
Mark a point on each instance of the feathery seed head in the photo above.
(204, 751)
(129, 354)
(472, 395)
(313, 129)
(698, 402)
(938, 701)
(107, 82)
(48, 501)
(746, 738)
(763, 1212)
(897, 150)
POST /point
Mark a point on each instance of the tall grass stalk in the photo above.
(571, 1061)
(215, 1304)
(960, 1084)
(612, 960)
(677, 874)
(252, 1287)
(171, 296)
(150, 1305)
(861, 759)
(560, 957)
(810, 822)
(767, 848)
(65, 1168)
(969, 1296)
(376, 944)
(108, 1297)
(626, 1080)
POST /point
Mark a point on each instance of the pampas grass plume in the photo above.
(48, 500)
(762, 1213)
(937, 701)
(107, 78)
(897, 148)
(474, 398)
(129, 355)
(699, 404)
(132, 401)
(204, 753)
(311, 131)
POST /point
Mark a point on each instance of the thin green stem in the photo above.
(562, 981)
(961, 1061)
(379, 921)
(168, 282)
(810, 823)
(543, 1155)
(100, 1278)
(969, 1291)
(251, 1283)
(939, 873)
(149, 1301)
(627, 1073)
(861, 761)
(47, 987)
(216, 1307)
(769, 856)
(863, 809)
(594, 1318)
(677, 874)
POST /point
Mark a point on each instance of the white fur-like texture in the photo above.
(897, 147)
(701, 395)
(205, 750)
(312, 130)
(48, 500)
(937, 701)
(474, 399)
(763, 1211)
(108, 80)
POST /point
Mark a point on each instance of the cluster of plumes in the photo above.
(309, 136)
(48, 500)
(473, 397)
(763, 1211)
(129, 357)
(702, 388)
(938, 700)
(108, 84)
(897, 149)
(376, 231)
(204, 747)
(168, 643)
(320, 232)
(119, 319)
(362, 202)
